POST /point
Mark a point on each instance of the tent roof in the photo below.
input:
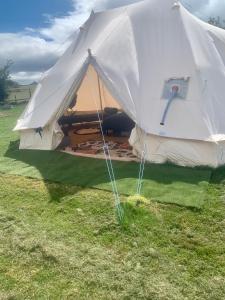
(135, 50)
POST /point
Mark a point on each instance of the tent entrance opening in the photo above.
(91, 109)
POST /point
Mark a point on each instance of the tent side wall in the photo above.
(159, 149)
(178, 151)
(47, 139)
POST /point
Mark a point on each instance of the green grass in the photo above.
(62, 241)
(163, 183)
(67, 245)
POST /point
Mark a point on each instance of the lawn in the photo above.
(163, 183)
(59, 240)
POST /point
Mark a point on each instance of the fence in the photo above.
(20, 94)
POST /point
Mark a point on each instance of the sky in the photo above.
(36, 32)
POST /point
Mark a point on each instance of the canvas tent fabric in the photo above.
(137, 50)
(93, 94)
(178, 151)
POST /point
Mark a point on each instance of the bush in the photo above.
(4, 78)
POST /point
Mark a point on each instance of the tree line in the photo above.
(5, 81)
(217, 22)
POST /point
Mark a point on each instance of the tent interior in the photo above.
(92, 113)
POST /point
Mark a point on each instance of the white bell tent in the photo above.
(164, 67)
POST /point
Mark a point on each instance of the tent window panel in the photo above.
(176, 88)
(181, 84)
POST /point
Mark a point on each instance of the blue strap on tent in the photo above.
(173, 96)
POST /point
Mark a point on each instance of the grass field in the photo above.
(61, 241)
(163, 183)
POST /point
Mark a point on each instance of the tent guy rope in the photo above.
(108, 159)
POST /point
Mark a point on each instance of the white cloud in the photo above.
(215, 8)
(206, 8)
(26, 77)
(27, 52)
(37, 49)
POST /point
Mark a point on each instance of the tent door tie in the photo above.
(39, 130)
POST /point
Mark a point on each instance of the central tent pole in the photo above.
(100, 94)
